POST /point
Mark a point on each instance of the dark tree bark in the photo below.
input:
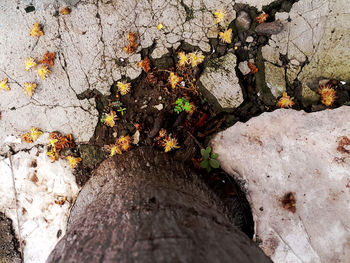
(144, 206)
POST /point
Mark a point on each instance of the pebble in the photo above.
(160, 98)
(243, 21)
(271, 28)
(243, 67)
(294, 62)
(249, 39)
(143, 107)
(158, 107)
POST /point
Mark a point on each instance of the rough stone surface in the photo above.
(275, 79)
(314, 31)
(220, 79)
(243, 67)
(243, 21)
(306, 154)
(39, 184)
(269, 28)
(257, 3)
(8, 244)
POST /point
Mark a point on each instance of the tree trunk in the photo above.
(143, 206)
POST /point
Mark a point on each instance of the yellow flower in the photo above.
(174, 80)
(183, 59)
(109, 119)
(4, 84)
(35, 133)
(30, 63)
(53, 155)
(43, 72)
(328, 95)
(73, 161)
(115, 150)
(29, 88)
(285, 101)
(219, 15)
(123, 88)
(196, 58)
(169, 144)
(160, 26)
(124, 142)
(226, 36)
(52, 143)
(35, 31)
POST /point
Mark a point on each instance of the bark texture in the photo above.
(143, 206)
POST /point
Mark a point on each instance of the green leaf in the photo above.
(205, 154)
(177, 109)
(214, 155)
(208, 149)
(187, 107)
(205, 164)
(347, 103)
(214, 163)
(208, 169)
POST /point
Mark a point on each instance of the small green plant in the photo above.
(182, 104)
(209, 159)
(121, 110)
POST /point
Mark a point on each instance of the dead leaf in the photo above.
(48, 58)
(253, 68)
(132, 43)
(145, 64)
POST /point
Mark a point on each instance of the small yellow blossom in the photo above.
(196, 58)
(115, 150)
(124, 142)
(4, 84)
(219, 15)
(183, 58)
(29, 88)
(52, 143)
(123, 88)
(53, 155)
(109, 119)
(35, 133)
(226, 36)
(43, 72)
(174, 80)
(35, 31)
(73, 161)
(160, 26)
(169, 144)
(30, 63)
(285, 101)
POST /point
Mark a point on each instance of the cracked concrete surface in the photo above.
(316, 33)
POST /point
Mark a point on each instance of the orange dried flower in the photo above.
(285, 101)
(145, 64)
(328, 95)
(253, 69)
(48, 58)
(124, 142)
(132, 43)
(262, 17)
(36, 31)
(65, 11)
